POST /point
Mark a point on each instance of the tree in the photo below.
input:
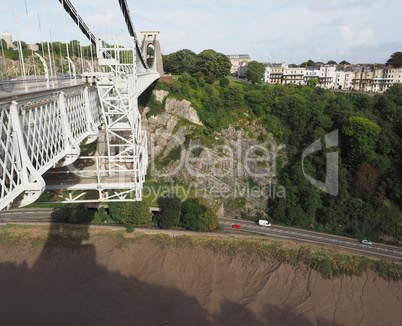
(130, 212)
(344, 62)
(72, 213)
(362, 133)
(170, 207)
(311, 63)
(214, 63)
(331, 62)
(224, 65)
(255, 72)
(101, 216)
(24, 46)
(180, 61)
(224, 82)
(313, 82)
(198, 217)
(395, 59)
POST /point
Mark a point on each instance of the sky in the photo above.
(291, 31)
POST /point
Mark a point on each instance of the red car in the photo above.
(354, 90)
(236, 226)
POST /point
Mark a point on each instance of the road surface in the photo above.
(314, 238)
(347, 244)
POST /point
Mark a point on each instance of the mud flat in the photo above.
(79, 276)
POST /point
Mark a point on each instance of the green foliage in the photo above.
(72, 213)
(313, 82)
(255, 72)
(198, 217)
(311, 63)
(101, 216)
(136, 212)
(170, 208)
(224, 82)
(208, 63)
(395, 60)
(362, 133)
(370, 147)
(173, 156)
(180, 61)
(130, 228)
(214, 63)
(148, 99)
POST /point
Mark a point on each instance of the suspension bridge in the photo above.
(44, 120)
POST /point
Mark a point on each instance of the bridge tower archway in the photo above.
(151, 39)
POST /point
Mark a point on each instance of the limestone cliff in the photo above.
(235, 166)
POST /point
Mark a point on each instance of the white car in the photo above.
(367, 242)
(263, 223)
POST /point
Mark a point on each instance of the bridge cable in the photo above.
(19, 43)
(130, 27)
(47, 40)
(4, 59)
(65, 34)
(67, 5)
(92, 58)
(51, 46)
(41, 38)
(30, 39)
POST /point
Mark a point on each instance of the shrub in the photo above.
(169, 214)
(101, 216)
(198, 217)
(224, 82)
(130, 228)
(137, 212)
(72, 213)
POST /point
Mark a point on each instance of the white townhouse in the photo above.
(294, 75)
(312, 72)
(327, 76)
(267, 74)
(343, 78)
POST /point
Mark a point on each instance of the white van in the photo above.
(263, 223)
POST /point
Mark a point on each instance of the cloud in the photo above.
(331, 5)
(335, 22)
(268, 30)
(346, 33)
(364, 36)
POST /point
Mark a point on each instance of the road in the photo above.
(314, 238)
(347, 244)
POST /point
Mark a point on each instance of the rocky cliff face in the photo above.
(235, 166)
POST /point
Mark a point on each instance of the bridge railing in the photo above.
(40, 132)
(13, 87)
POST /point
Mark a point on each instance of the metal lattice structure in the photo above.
(41, 133)
(118, 170)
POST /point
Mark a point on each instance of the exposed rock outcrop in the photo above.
(236, 166)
